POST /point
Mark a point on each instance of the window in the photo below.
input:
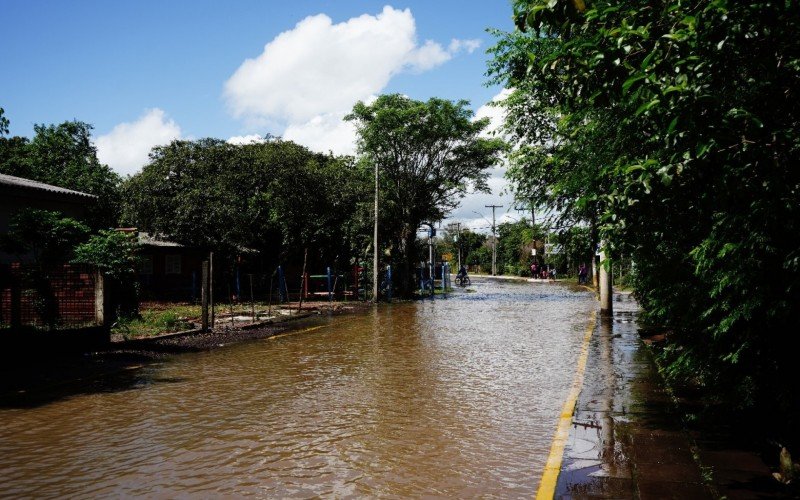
(172, 264)
(146, 265)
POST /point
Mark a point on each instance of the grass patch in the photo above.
(158, 318)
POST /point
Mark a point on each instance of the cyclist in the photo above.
(461, 278)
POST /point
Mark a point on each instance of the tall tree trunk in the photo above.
(594, 240)
(406, 278)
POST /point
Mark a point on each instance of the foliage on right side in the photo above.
(672, 128)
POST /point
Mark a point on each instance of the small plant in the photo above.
(788, 469)
(170, 321)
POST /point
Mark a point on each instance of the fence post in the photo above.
(99, 298)
(210, 282)
(389, 283)
(281, 286)
(252, 301)
(204, 295)
(330, 292)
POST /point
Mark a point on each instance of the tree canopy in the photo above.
(672, 126)
(47, 237)
(63, 155)
(269, 197)
(429, 155)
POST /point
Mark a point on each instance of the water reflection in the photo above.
(455, 397)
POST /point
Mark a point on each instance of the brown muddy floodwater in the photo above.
(446, 397)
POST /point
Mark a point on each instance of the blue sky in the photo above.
(146, 72)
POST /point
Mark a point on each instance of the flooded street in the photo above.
(449, 397)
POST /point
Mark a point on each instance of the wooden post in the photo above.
(269, 307)
(606, 308)
(204, 295)
(304, 281)
(99, 299)
(252, 302)
(210, 282)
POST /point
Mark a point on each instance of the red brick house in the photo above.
(168, 270)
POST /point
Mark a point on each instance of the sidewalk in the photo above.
(627, 439)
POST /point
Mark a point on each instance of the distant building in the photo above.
(17, 194)
(168, 270)
(70, 299)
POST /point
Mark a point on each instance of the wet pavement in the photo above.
(628, 439)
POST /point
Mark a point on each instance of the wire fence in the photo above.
(61, 297)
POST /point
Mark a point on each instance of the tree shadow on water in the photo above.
(30, 380)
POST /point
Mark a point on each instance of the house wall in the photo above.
(158, 284)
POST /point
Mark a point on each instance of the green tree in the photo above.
(47, 239)
(63, 155)
(672, 128)
(471, 242)
(277, 198)
(4, 123)
(429, 155)
(44, 236)
(115, 254)
(513, 239)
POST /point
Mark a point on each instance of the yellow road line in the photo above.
(547, 486)
(295, 332)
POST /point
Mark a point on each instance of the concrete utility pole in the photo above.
(494, 239)
(533, 214)
(431, 265)
(375, 244)
(606, 304)
(458, 241)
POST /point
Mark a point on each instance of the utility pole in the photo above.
(533, 212)
(375, 244)
(533, 215)
(458, 241)
(431, 265)
(494, 239)
(606, 283)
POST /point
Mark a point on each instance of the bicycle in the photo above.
(463, 281)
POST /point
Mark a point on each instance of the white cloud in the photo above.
(319, 67)
(125, 149)
(427, 57)
(324, 133)
(496, 114)
(476, 202)
(469, 45)
(307, 78)
(246, 139)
